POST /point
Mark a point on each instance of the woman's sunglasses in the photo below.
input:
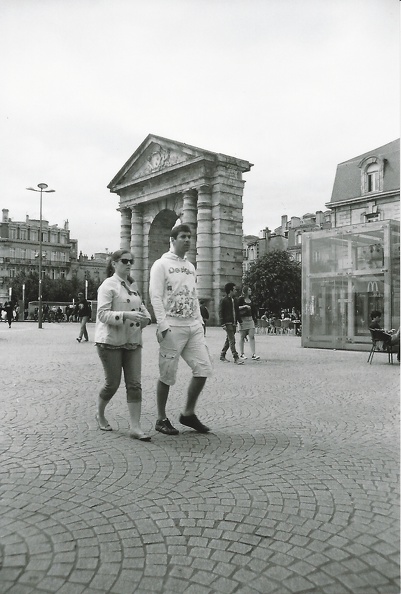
(126, 261)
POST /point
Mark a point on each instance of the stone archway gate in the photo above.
(165, 180)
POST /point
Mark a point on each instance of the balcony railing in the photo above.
(33, 261)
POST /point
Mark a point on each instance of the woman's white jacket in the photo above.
(113, 299)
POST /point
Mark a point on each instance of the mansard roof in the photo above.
(157, 155)
(347, 182)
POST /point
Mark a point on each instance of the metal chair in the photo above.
(261, 327)
(380, 344)
(285, 325)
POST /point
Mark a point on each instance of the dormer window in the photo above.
(372, 170)
(372, 177)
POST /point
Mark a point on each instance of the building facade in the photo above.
(367, 188)
(19, 252)
(287, 237)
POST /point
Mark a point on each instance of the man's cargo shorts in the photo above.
(189, 343)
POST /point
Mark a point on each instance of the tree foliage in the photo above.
(275, 280)
(52, 290)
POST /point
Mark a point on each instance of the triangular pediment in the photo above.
(156, 155)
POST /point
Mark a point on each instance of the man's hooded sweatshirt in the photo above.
(172, 291)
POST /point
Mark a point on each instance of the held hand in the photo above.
(145, 322)
(135, 316)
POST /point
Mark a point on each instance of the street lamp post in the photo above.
(23, 301)
(42, 188)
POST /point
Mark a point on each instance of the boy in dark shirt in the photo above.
(229, 316)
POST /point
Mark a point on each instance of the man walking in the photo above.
(229, 316)
(175, 304)
(83, 311)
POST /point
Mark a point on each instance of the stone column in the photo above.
(189, 218)
(147, 222)
(125, 229)
(137, 245)
(204, 247)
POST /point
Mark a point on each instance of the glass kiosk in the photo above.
(346, 273)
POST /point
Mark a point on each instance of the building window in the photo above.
(372, 177)
(372, 172)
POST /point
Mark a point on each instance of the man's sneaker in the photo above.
(243, 357)
(193, 422)
(224, 360)
(255, 357)
(164, 426)
(239, 361)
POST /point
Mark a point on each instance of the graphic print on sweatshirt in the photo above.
(182, 302)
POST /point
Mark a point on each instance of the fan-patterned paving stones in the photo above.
(295, 489)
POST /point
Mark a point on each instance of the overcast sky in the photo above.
(295, 87)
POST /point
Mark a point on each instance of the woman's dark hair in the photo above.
(180, 229)
(115, 257)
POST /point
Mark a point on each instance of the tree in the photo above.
(52, 290)
(275, 280)
(31, 282)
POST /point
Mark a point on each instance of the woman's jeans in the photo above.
(114, 362)
(83, 331)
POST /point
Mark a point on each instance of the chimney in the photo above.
(319, 217)
(5, 215)
(284, 220)
(295, 222)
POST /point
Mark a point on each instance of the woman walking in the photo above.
(121, 315)
(248, 313)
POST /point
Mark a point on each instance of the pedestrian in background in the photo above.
(249, 317)
(8, 307)
(229, 315)
(204, 313)
(121, 316)
(68, 312)
(83, 311)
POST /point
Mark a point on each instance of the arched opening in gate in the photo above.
(159, 234)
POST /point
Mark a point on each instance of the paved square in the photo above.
(295, 490)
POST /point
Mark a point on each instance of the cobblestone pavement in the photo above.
(294, 490)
